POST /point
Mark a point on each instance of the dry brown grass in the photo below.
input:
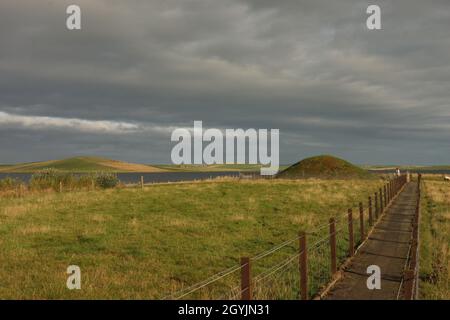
(435, 240)
(129, 167)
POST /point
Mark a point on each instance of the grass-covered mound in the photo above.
(323, 166)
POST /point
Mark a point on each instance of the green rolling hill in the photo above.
(80, 164)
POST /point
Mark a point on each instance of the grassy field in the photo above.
(133, 243)
(435, 240)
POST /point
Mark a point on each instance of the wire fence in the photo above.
(302, 266)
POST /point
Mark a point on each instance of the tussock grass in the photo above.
(146, 244)
(435, 240)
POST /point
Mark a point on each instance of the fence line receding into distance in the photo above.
(313, 260)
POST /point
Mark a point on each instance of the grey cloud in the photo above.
(309, 68)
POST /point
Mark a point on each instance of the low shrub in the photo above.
(106, 180)
(50, 179)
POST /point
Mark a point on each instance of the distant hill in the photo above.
(81, 164)
(323, 166)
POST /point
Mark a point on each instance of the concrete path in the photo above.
(386, 247)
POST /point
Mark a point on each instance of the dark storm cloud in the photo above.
(309, 68)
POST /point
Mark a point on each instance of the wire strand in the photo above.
(276, 248)
(276, 268)
(182, 293)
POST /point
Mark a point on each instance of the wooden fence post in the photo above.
(376, 206)
(370, 212)
(60, 187)
(333, 261)
(303, 265)
(381, 203)
(389, 192)
(142, 182)
(351, 245)
(246, 288)
(385, 197)
(361, 221)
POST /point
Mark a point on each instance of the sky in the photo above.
(138, 69)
